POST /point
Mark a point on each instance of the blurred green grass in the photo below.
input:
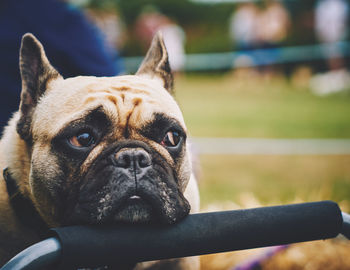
(230, 106)
(275, 179)
(226, 106)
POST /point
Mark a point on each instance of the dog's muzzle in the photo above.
(132, 184)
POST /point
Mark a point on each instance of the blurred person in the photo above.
(151, 21)
(331, 19)
(253, 28)
(273, 24)
(243, 26)
(147, 23)
(243, 35)
(74, 46)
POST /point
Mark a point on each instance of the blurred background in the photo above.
(265, 90)
(264, 87)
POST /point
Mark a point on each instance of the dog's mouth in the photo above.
(145, 208)
(154, 200)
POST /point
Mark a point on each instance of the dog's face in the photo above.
(103, 149)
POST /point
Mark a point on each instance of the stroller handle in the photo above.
(94, 246)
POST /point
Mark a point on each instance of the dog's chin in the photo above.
(134, 210)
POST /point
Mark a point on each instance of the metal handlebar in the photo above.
(94, 246)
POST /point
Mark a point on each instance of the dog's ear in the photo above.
(36, 72)
(156, 63)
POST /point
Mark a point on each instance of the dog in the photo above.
(94, 150)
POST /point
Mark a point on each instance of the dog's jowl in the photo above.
(94, 150)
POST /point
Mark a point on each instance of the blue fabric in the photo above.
(74, 47)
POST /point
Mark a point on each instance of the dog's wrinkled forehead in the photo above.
(127, 99)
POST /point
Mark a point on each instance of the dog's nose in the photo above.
(135, 158)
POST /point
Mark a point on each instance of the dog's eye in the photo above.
(83, 139)
(171, 139)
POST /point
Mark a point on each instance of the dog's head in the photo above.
(103, 149)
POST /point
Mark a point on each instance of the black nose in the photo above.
(133, 158)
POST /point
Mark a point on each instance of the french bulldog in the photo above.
(94, 150)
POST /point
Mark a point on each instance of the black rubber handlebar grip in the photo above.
(93, 246)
